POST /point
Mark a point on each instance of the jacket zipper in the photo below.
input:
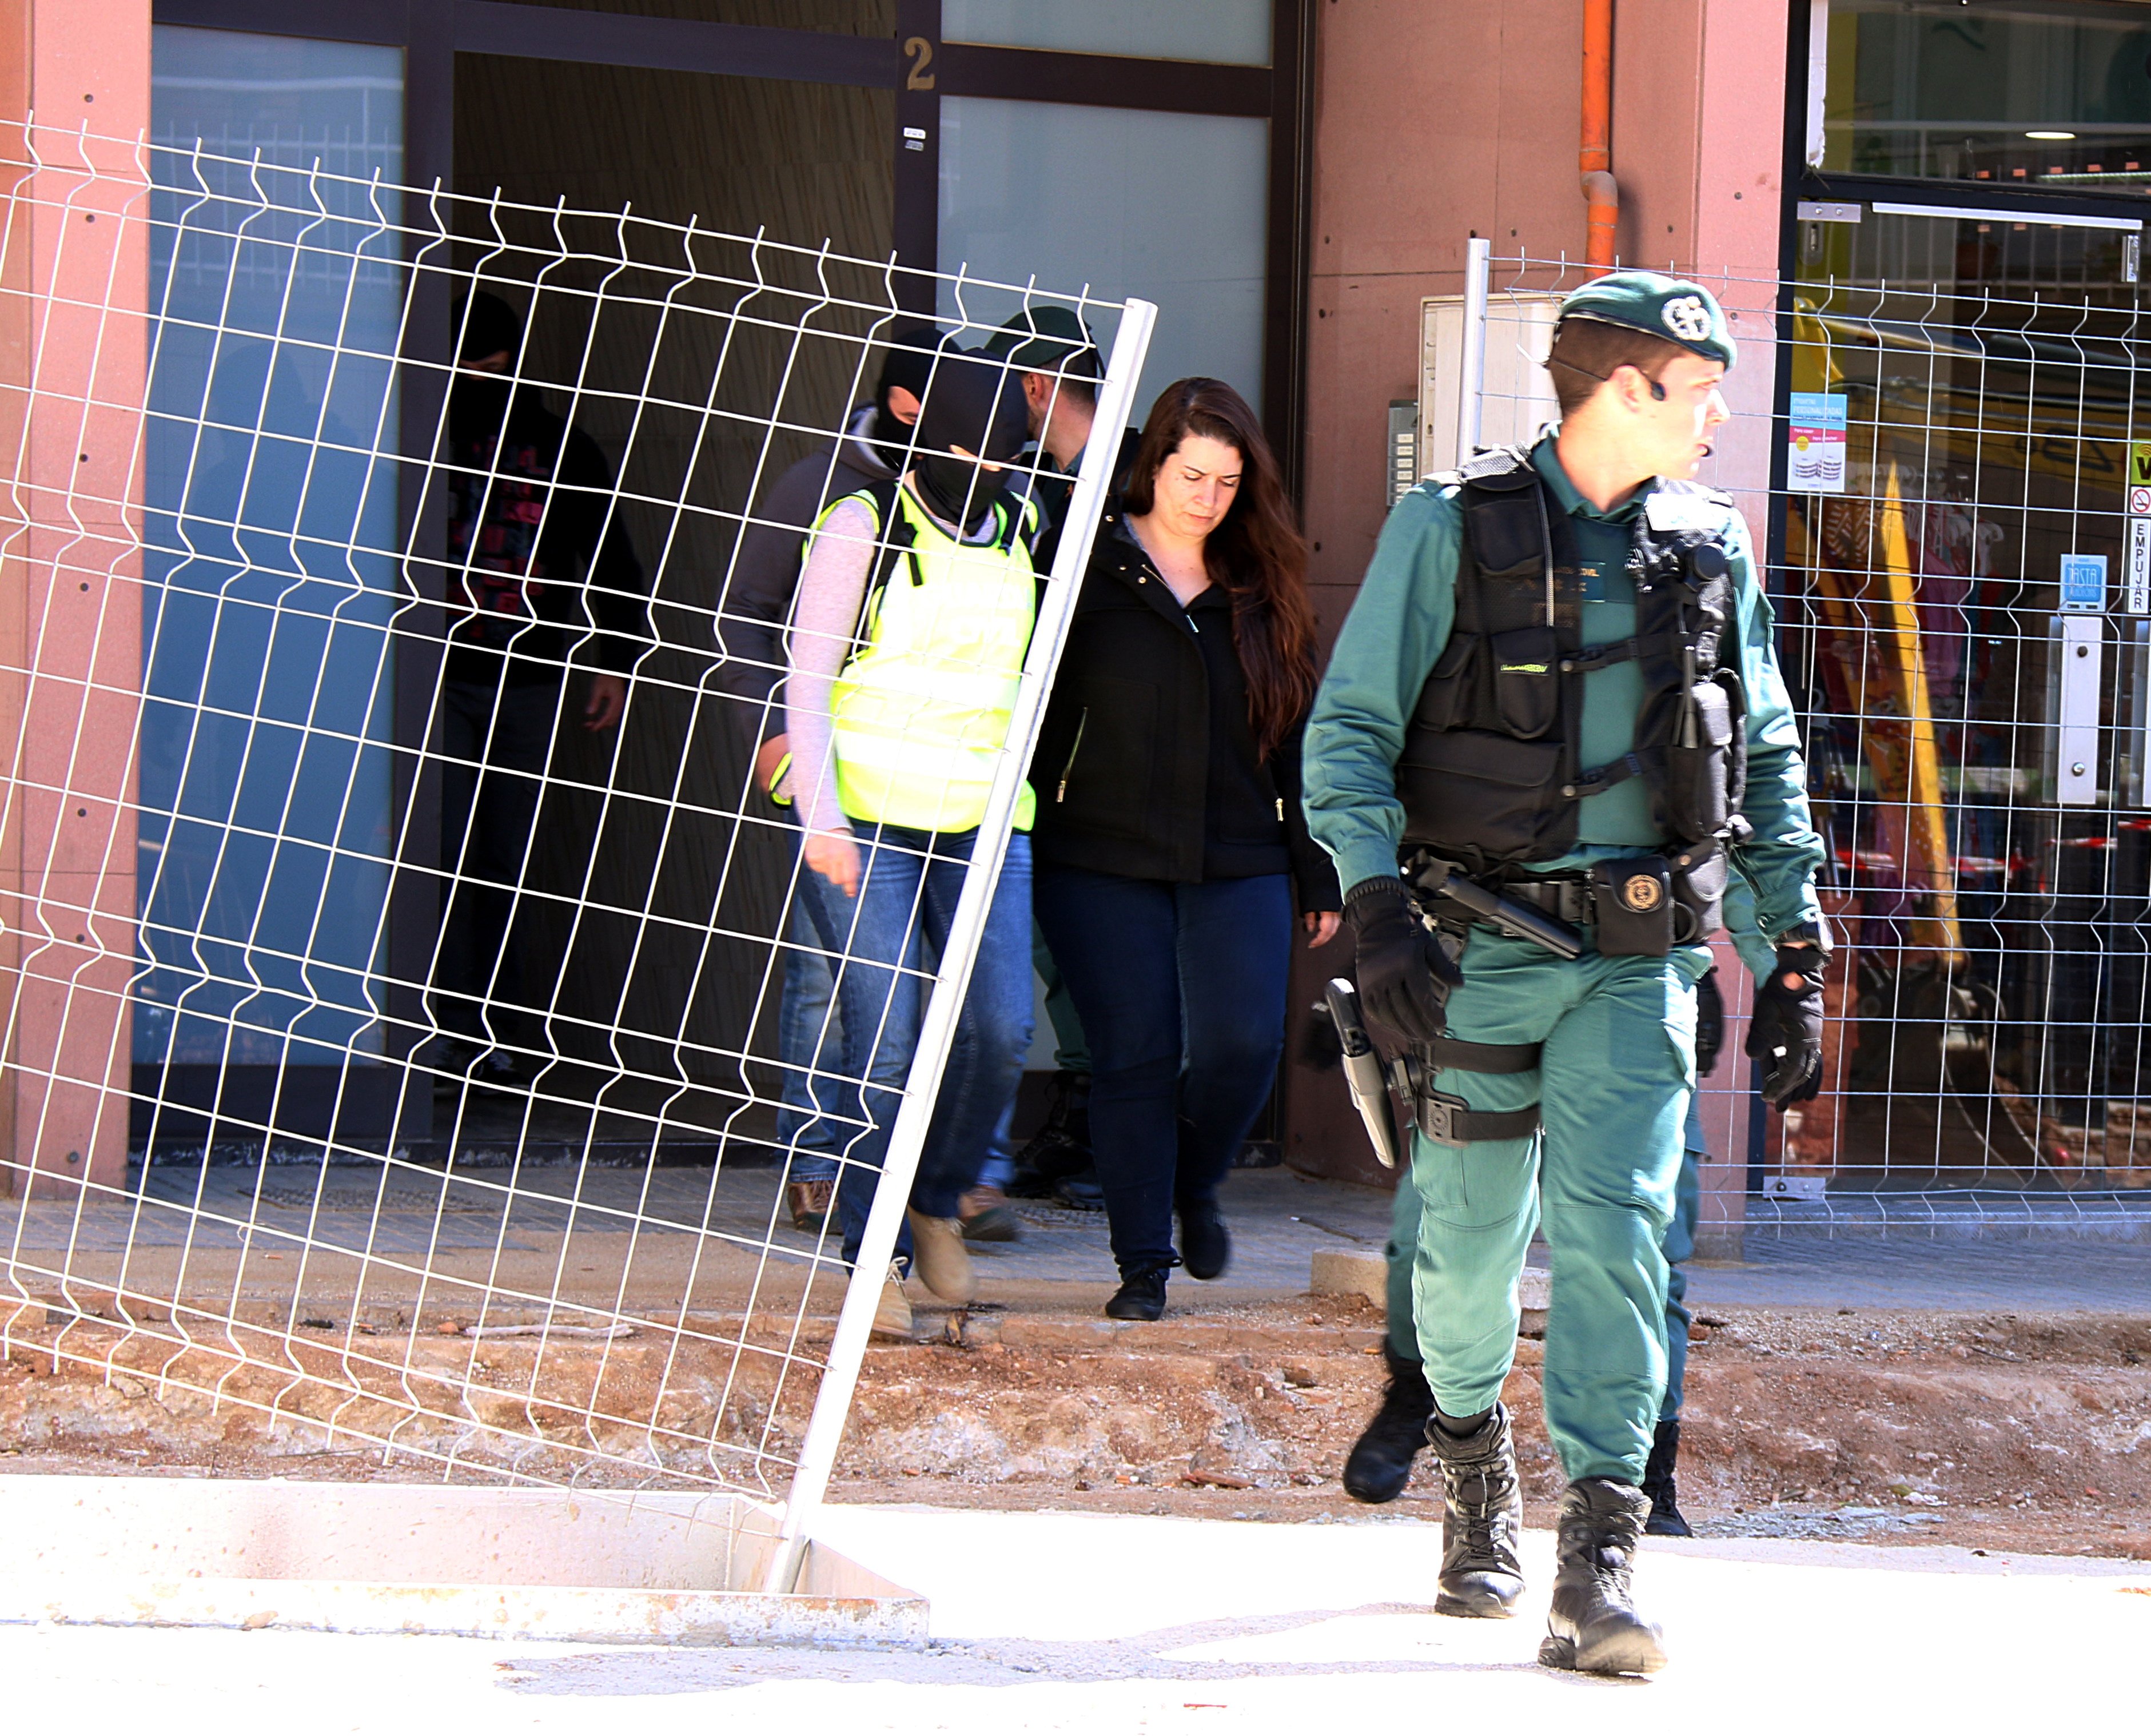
(1061, 793)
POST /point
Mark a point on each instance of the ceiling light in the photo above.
(2049, 135)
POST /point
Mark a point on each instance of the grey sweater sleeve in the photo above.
(831, 587)
(765, 576)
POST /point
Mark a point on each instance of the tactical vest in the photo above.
(921, 710)
(1490, 776)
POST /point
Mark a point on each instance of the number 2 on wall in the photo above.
(920, 51)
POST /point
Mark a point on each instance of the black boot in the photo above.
(1380, 1462)
(1061, 1147)
(1593, 1625)
(1140, 1296)
(1665, 1520)
(1482, 1516)
(1206, 1245)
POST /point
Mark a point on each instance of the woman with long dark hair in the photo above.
(1169, 843)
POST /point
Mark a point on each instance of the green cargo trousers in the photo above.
(1678, 1247)
(1615, 1077)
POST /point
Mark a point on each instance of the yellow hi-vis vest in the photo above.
(921, 712)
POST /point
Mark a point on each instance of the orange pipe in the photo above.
(1602, 193)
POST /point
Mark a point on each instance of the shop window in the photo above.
(2053, 96)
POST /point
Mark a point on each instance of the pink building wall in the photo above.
(1436, 120)
(73, 379)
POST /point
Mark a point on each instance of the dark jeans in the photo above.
(907, 894)
(496, 742)
(1182, 991)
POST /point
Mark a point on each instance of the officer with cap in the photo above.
(1552, 728)
(1060, 368)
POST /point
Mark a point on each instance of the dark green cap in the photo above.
(1672, 308)
(1042, 340)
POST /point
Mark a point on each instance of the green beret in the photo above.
(1042, 340)
(1678, 312)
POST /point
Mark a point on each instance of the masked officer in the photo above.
(1556, 705)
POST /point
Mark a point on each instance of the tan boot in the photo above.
(809, 1204)
(942, 1260)
(893, 1315)
(986, 1216)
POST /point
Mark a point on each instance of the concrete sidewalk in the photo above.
(1109, 1624)
(673, 1218)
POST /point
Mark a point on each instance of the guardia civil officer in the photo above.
(1555, 703)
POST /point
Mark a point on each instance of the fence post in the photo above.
(833, 1399)
(1471, 369)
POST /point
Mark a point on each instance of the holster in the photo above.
(1445, 1118)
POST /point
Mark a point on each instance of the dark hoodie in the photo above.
(539, 567)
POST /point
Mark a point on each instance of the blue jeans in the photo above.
(908, 887)
(1181, 992)
(810, 1045)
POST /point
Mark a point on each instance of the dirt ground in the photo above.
(2015, 1433)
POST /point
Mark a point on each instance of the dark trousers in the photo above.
(1182, 991)
(496, 742)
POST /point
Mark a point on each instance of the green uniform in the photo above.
(1677, 1246)
(1618, 1066)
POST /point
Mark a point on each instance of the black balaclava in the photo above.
(909, 363)
(484, 326)
(976, 403)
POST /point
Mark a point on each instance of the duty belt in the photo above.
(1447, 1119)
(1569, 899)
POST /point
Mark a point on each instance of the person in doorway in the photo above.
(1557, 688)
(1061, 371)
(542, 580)
(1380, 1462)
(764, 578)
(914, 613)
(1169, 833)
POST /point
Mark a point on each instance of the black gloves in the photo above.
(1709, 1023)
(1405, 978)
(1785, 1033)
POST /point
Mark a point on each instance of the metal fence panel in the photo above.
(266, 1150)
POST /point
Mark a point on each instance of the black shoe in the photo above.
(1206, 1245)
(1482, 1517)
(1380, 1462)
(1081, 1191)
(1061, 1147)
(1140, 1296)
(1665, 1520)
(1593, 1625)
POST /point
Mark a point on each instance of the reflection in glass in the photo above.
(1168, 207)
(270, 527)
(1235, 32)
(2056, 96)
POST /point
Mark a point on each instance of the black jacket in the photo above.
(540, 570)
(1146, 765)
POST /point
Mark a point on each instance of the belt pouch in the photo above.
(1698, 895)
(1634, 904)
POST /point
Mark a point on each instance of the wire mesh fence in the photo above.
(1936, 438)
(396, 922)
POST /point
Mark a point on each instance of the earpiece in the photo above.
(1657, 392)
